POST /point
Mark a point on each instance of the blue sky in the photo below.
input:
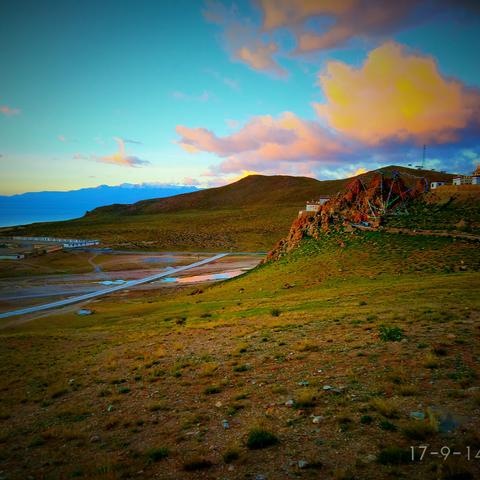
(94, 92)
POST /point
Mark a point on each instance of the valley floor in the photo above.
(66, 274)
(337, 359)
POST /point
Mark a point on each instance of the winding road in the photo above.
(106, 291)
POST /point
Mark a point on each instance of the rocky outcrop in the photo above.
(362, 203)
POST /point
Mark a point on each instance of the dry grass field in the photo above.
(329, 363)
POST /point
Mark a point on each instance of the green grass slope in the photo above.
(251, 214)
(342, 355)
(446, 208)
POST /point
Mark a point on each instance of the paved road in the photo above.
(106, 291)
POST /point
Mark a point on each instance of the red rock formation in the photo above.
(361, 202)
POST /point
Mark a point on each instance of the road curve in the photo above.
(106, 291)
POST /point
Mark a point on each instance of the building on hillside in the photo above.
(467, 180)
(314, 205)
(473, 179)
(434, 185)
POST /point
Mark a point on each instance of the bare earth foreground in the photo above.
(332, 362)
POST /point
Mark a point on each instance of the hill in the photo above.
(250, 214)
(251, 191)
(47, 206)
(255, 190)
(368, 339)
(447, 208)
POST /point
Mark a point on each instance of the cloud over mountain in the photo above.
(394, 102)
(264, 141)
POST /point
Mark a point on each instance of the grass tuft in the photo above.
(231, 454)
(416, 430)
(211, 389)
(156, 454)
(305, 398)
(394, 456)
(197, 463)
(259, 438)
(387, 408)
(390, 334)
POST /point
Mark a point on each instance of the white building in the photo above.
(467, 180)
(434, 185)
(314, 206)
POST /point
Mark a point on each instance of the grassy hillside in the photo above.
(446, 208)
(342, 355)
(251, 214)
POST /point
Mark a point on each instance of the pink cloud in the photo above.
(266, 142)
(190, 181)
(243, 40)
(351, 18)
(259, 56)
(8, 111)
(317, 25)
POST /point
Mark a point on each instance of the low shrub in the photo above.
(390, 334)
(259, 438)
(156, 454)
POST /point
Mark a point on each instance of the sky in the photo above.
(205, 92)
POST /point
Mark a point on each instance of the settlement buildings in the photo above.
(473, 179)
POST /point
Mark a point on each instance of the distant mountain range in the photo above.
(248, 215)
(33, 207)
